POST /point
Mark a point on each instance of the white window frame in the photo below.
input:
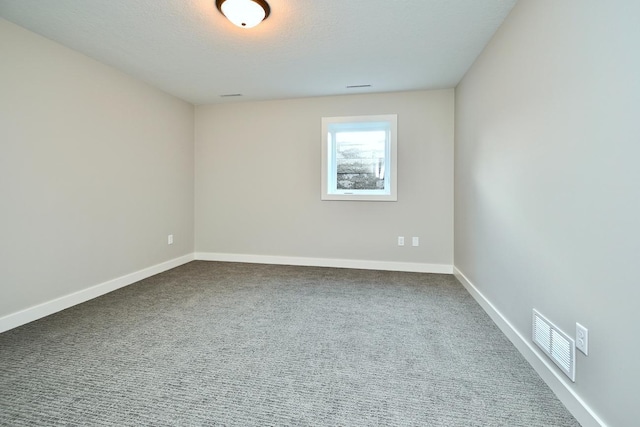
(329, 172)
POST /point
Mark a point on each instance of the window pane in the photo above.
(360, 160)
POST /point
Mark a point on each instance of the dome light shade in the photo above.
(244, 13)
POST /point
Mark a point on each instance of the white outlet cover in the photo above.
(582, 339)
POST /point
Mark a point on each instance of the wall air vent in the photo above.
(556, 344)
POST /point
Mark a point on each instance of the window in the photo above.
(359, 158)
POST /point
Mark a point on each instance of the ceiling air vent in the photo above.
(555, 344)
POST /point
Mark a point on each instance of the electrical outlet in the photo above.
(400, 241)
(415, 241)
(170, 239)
(582, 339)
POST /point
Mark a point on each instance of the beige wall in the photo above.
(258, 181)
(96, 169)
(547, 200)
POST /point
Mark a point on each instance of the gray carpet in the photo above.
(257, 345)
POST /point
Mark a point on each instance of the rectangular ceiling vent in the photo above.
(556, 344)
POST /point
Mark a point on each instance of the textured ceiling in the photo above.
(305, 47)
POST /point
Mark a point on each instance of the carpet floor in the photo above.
(234, 344)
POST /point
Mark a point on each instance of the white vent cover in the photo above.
(556, 344)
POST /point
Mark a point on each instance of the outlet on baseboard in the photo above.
(170, 239)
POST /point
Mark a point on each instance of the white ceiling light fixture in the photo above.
(244, 13)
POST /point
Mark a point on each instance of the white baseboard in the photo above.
(30, 314)
(413, 267)
(545, 368)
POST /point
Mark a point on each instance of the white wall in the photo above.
(96, 169)
(258, 181)
(547, 183)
